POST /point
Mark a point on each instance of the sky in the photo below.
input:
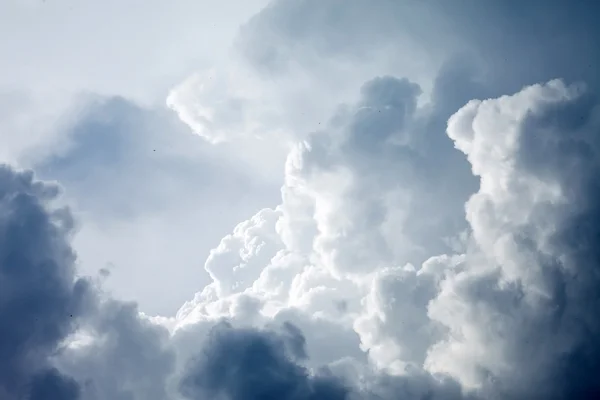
(299, 200)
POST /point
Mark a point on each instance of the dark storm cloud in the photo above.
(522, 43)
(249, 364)
(252, 364)
(52, 385)
(561, 143)
(40, 299)
(42, 303)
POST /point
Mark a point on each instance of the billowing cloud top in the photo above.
(437, 236)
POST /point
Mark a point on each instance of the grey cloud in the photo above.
(323, 341)
(521, 44)
(531, 282)
(52, 385)
(40, 299)
(514, 44)
(406, 180)
(43, 303)
(129, 357)
(239, 363)
(251, 364)
(287, 33)
(520, 307)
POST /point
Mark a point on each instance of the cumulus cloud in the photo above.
(521, 312)
(276, 63)
(331, 258)
(506, 308)
(251, 364)
(427, 245)
(248, 249)
(58, 339)
(40, 299)
(125, 356)
(323, 50)
(326, 297)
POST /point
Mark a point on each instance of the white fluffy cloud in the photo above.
(521, 311)
(511, 313)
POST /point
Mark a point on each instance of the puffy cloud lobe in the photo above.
(277, 63)
(126, 356)
(237, 262)
(207, 104)
(253, 364)
(522, 311)
(231, 105)
(40, 299)
(394, 325)
(360, 181)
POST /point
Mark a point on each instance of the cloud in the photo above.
(423, 248)
(291, 51)
(276, 63)
(509, 313)
(557, 39)
(526, 291)
(248, 249)
(44, 307)
(373, 186)
(253, 364)
(125, 357)
(331, 257)
(40, 298)
(51, 384)
(131, 174)
(505, 308)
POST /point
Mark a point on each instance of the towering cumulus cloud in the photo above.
(521, 311)
(506, 312)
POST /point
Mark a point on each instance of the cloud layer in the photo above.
(436, 237)
(362, 267)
